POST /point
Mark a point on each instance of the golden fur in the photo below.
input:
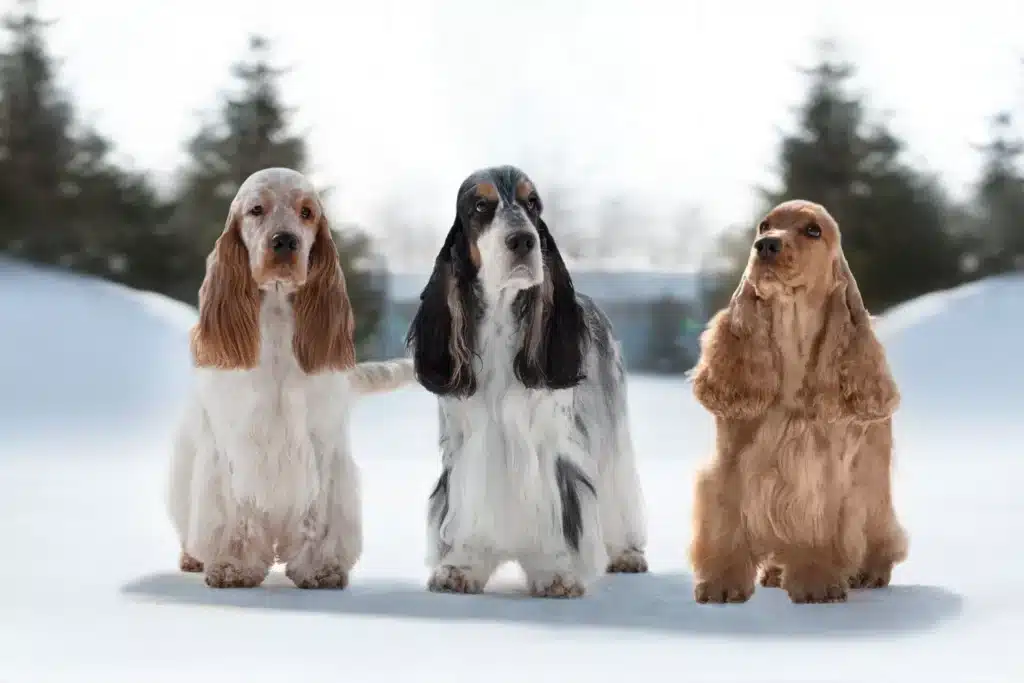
(802, 398)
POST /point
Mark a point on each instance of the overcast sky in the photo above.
(671, 103)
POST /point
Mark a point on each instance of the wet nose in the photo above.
(283, 243)
(520, 243)
(768, 248)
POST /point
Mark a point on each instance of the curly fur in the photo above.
(803, 400)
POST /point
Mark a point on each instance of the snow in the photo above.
(89, 590)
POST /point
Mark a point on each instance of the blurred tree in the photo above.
(62, 200)
(671, 344)
(999, 200)
(893, 218)
(249, 134)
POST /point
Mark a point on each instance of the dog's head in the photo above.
(497, 244)
(276, 237)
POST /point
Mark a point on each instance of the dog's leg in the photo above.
(187, 563)
(885, 539)
(623, 519)
(770, 573)
(244, 556)
(573, 554)
(723, 562)
(332, 534)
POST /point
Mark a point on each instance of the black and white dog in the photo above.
(537, 457)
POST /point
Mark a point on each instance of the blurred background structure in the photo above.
(660, 254)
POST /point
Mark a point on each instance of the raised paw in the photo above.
(187, 563)
(814, 589)
(328, 576)
(557, 587)
(449, 579)
(771, 576)
(630, 561)
(223, 575)
(719, 591)
(875, 577)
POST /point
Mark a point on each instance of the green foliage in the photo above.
(894, 218)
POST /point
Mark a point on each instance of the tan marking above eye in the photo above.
(487, 191)
(524, 189)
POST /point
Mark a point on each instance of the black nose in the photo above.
(520, 243)
(284, 242)
(768, 248)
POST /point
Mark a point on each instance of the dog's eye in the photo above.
(481, 206)
(813, 230)
(533, 202)
(306, 213)
(256, 210)
(763, 226)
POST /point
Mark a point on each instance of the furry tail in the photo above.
(373, 377)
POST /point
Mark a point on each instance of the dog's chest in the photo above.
(794, 329)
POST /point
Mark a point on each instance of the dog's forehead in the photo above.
(275, 179)
(504, 181)
(800, 210)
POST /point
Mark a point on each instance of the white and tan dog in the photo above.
(262, 469)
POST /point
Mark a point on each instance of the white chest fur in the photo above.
(269, 422)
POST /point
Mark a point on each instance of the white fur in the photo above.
(262, 466)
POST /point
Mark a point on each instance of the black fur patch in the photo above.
(439, 498)
(570, 478)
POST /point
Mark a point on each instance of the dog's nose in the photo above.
(520, 243)
(768, 248)
(284, 242)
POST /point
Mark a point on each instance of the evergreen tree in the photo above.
(893, 218)
(250, 133)
(36, 142)
(999, 200)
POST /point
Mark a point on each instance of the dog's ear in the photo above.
(324, 322)
(227, 335)
(442, 334)
(556, 338)
(737, 375)
(851, 377)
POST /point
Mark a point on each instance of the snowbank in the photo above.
(957, 352)
(80, 355)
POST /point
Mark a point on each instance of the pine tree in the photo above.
(251, 132)
(999, 200)
(36, 142)
(893, 217)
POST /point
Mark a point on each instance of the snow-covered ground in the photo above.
(93, 376)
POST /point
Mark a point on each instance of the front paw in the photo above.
(557, 586)
(225, 575)
(722, 590)
(630, 561)
(449, 579)
(330, 576)
(811, 587)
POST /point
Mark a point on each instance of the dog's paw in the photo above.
(223, 575)
(871, 577)
(814, 589)
(557, 587)
(630, 561)
(771, 576)
(721, 591)
(187, 563)
(330, 576)
(449, 579)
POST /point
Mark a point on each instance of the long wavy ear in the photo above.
(442, 334)
(556, 336)
(227, 335)
(737, 375)
(324, 323)
(852, 378)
